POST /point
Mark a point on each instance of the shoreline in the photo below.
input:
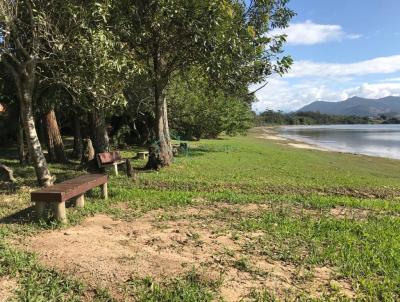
(272, 133)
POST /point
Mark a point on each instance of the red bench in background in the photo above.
(108, 159)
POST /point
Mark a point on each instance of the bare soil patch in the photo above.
(349, 213)
(107, 252)
(7, 288)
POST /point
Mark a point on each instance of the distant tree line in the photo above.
(308, 118)
(388, 119)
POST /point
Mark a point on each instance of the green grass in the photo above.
(366, 252)
(301, 186)
(187, 289)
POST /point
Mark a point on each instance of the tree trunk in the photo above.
(21, 144)
(78, 146)
(160, 154)
(99, 133)
(41, 129)
(88, 151)
(25, 85)
(166, 125)
(7, 174)
(55, 144)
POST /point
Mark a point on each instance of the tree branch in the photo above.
(258, 89)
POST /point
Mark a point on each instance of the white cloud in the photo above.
(279, 94)
(381, 65)
(375, 90)
(310, 33)
(312, 81)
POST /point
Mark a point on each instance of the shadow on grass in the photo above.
(8, 188)
(203, 150)
(24, 216)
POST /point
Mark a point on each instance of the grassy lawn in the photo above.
(319, 218)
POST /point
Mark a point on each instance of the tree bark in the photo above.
(166, 125)
(25, 84)
(21, 64)
(160, 154)
(21, 144)
(40, 125)
(78, 145)
(99, 133)
(8, 173)
(55, 144)
(88, 160)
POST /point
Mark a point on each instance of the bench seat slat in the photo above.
(69, 189)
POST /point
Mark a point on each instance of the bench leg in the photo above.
(116, 169)
(40, 207)
(80, 201)
(104, 191)
(60, 212)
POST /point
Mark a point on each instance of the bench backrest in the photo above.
(108, 157)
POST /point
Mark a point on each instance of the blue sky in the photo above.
(340, 49)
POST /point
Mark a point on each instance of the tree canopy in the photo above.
(135, 68)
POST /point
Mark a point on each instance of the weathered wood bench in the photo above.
(108, 159)
(62, 192)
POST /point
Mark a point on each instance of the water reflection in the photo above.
(375, 140)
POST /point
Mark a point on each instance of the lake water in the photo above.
(374, 140)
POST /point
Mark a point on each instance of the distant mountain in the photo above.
(357, 106)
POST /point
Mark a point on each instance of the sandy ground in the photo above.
(107, 252)
(7, 287)
(306, 146)
(271, 133)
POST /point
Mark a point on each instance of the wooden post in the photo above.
(60, 212)
(104, 191)
(40, 206)
(129, 170)
(116, 169)
(80, 201)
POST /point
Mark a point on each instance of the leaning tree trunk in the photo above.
(25, 85)
(99, 133)
(78, 144)
(55, 144)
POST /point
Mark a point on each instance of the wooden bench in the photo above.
(62, 192)
(109, 159)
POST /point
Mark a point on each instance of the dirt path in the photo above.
(7, 288)
(107, 252)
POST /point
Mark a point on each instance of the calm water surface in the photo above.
(375, 140)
